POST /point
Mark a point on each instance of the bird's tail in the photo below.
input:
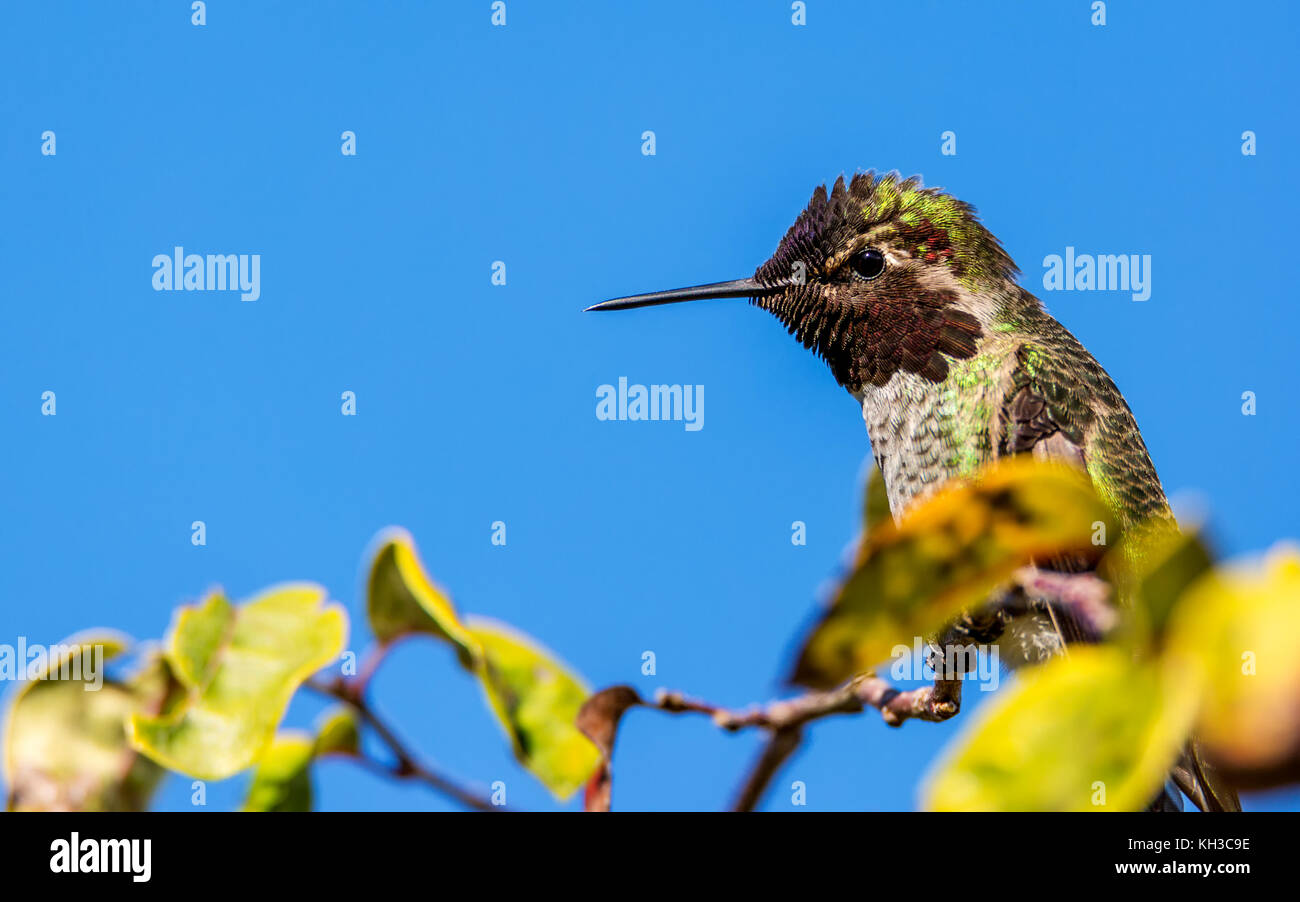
(1201, 783)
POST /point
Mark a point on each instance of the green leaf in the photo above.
(1150, 569)
(239, 668)
(949, 553)
(339, 733)
(1095, 731)
(283, 778)
(533, 695)
(1235, 632)
(197, 638)
(875, 502)
(537, 699)
(282, 781)
(65, 741)
(402, 599)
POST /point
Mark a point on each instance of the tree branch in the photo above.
(780, 746)
(407, 766)
(933, 703)
(785, 719)
(1085, 596)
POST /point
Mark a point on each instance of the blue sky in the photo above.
(476, 402)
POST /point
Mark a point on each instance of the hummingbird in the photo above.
(917, 309)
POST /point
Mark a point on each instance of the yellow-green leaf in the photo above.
(239, 667)
(875, 502)
(537, 698)
(402, 599)
(1235, 630)
(197, 638)
(65, 741)
(533, 695)
(947, 554)
(1095, 731)
(1150, 568)
(282, 780)
(339, 733)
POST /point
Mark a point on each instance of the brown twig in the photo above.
(782, 715)
(780, 746)
(785, 719)
(407, 766)
(933, 703)
(370, 662)
(1086, 597)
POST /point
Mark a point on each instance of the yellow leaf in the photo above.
(65, 740)
(239, 668)
(282, 780)
(339, 733)
(875, 502)
(1096, 731)
(1150, 568)
(948, 554)
(531, 692)
(1235, 629)
(536, 698)
(402, 599)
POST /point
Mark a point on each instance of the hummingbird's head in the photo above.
(880, 275)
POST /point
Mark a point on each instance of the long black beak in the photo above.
(736, 288)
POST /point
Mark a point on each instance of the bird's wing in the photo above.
(1033, 427)
(1048, 405)
(1062, 405)
(1045, 413)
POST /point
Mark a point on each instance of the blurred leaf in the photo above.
(239, 668)
(282, 781)
(875, 503)
(537, 700)
(598, 720)
(1236, 630)
(1150, 569)
(533, 695)
(65, 742)
(197, 637)
(949, 553)
(283, 778)
(1069, 730)
(339, 733)
(156, 682)
(402, 599)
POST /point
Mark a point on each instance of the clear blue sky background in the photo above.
(476, 403)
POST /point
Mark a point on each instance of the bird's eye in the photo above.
(867, 264)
